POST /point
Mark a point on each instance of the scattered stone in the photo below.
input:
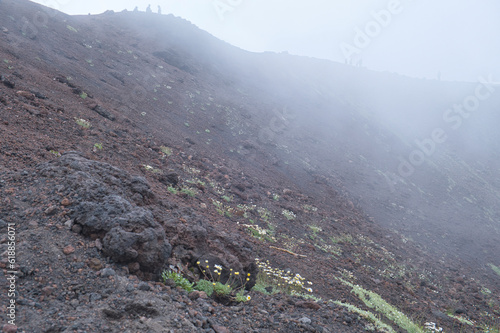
(68, 250)
(95, 297)
(103, 112)
(65, 202)
(144, 286)
(308, 305)
(106, 272)
(194, 295)
(26, 94)
(7, 82)
(47, 291)
(305, 320)
(220, 329)
(7, 328)
(76, 228)
(95, 264)
(69, 224)
(50, 211)
(134, 267)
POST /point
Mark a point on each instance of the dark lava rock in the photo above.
(129, 233)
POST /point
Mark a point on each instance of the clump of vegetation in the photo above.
(55, 153)
(264, 214)
(83, 95)
(227, 198)
(288, 214)
(259, 233)
(82, 122)
(71, 28)
(97, 146)
(310, 208)
(222, 209)
(179, 280)
(151, 169)
(374, 301)
(189, 191)
(166, 151)
(172, 190)
(345, 238)
(495, 268)
(232, 289)
(379, 324)
(280, 280)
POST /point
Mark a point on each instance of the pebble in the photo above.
(95, 264)
(68, 224)
(305, 320)
(68, 250)
(7, 328)
(108, 272)
(144, 286)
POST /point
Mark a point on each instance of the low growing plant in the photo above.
(82, 122)
(179, 280)
(281, 280)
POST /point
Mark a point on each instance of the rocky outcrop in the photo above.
(106, 207)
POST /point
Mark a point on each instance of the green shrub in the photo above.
(206, 286)
(179, 280)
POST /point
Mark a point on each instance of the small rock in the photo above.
(65, 202)
(98, 244)
(108, 272)
(74, 303)
(220, 329)
(47, 291)
(308, 305)
(68, 224)
(305, 320)
(51, 210)
(94, 297)
(134, 267)
(26, 94)
(95, 264)
(144, 286)
(76, 228)
(197, 294)
(68, 250)
(7, 328)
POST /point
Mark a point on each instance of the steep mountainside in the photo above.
(131, 143)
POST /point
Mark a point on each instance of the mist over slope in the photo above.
(386, 176)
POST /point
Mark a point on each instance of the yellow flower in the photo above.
(248, 279)
(248, 274)
(197, 263)
(236, 273)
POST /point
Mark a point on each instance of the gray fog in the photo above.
(450, 40)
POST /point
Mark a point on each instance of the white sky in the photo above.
(457, 38)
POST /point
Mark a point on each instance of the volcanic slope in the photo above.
(131, 142)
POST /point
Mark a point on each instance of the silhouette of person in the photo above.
(136, 9)
(159, 9)
(148, 10)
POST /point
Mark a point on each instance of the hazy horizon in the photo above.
(446, 40)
